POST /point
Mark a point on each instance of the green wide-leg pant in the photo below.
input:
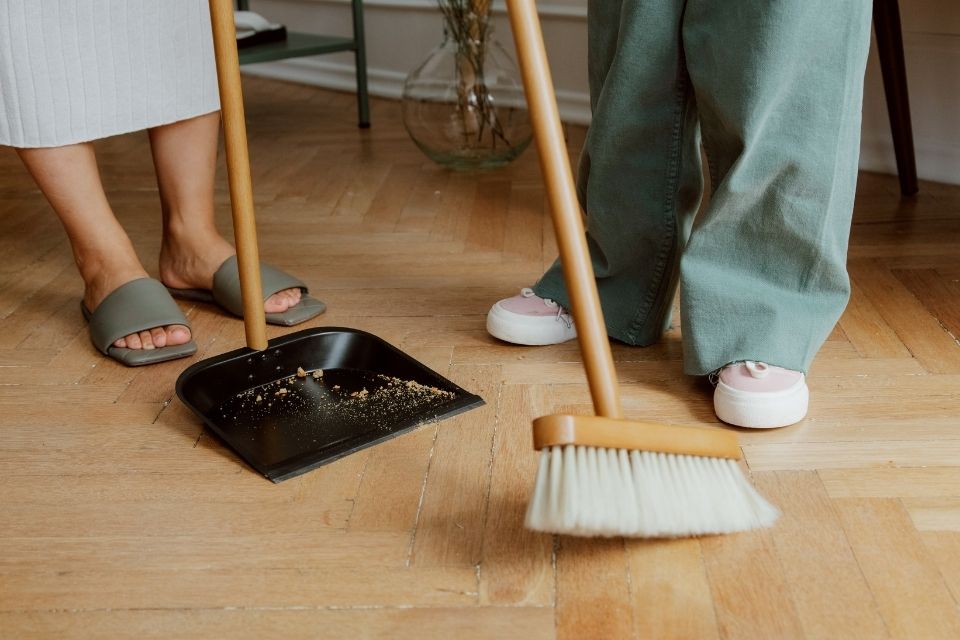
(772, 89)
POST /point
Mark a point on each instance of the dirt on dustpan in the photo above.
(331, 397)
(315, 396)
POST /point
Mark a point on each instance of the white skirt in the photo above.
(78, 70)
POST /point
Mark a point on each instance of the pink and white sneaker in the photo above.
(760, 396)
(531, 320)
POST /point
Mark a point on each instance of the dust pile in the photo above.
(326, 406)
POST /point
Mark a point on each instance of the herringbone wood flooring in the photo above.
(120, 517)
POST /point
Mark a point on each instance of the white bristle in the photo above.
(589, 491)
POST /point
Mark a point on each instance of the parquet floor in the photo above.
(120, 517)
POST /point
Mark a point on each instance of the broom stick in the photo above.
(238, 171)
(592, 475)
(568, 224)
(562, 196)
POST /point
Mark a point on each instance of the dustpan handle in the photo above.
(574, 255)
(238, 171)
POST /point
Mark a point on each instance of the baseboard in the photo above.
(937, 162)
(544, 9)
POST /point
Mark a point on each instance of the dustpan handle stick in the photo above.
(238, 171)
(574, 255)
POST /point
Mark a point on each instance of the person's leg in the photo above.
(779, 91)
(70, 179)
(640, 176)
(185, 157)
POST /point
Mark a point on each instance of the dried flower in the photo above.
(467, 22)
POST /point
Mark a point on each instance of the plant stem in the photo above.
(467, 22)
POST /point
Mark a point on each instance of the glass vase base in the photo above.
(480, 160)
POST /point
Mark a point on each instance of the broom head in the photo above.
(610, 477)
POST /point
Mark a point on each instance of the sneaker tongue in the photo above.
(757, 370)
(526, 293)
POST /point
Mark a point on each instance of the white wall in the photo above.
(931, 42)
(400, 34)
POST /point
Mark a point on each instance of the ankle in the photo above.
(181, 231)
(102, 277)
(189, 261)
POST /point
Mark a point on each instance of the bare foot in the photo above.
(189, 263)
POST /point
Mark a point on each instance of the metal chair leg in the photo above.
(360, 55)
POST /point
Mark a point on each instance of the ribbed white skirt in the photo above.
(79, 70)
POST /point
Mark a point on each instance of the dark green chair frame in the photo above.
(307, 44)
(886, 26)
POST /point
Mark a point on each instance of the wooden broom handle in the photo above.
(567, 223)
(238, 171)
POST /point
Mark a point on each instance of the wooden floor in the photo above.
(120, 517)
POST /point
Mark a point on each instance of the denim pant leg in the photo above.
(639, 178)
(779, 88)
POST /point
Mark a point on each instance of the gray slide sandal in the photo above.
(226, 293)
(136, 306)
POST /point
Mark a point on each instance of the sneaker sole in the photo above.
(527, 330)
(754, 410)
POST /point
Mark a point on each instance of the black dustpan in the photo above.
(315, 396)
(310, 397)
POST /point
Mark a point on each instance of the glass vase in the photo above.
(464, 105)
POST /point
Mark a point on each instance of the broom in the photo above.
(603, 475)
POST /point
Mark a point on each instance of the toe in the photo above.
(177, 334)
(277, 303)
(282, 300)
(120, 342)
(146, 340)
(133, 341)
(159, 337)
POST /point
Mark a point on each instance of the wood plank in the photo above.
(522, 229)
(244, 552)
(392, 484)
(450, 523)
(392, 196)
(459, 196)
(844, 455)
(750, 592)
(921, 332)
(48, 317)
(593, 589)
(487, 230)
(13, 358)
(904, 578)
(940, 295)
(200, 588)
(45, 394)
(441, 623)
(810, 544)
(940, 513)
(944, 548)
(167, 518)
(866, 329)
(670, 591)
(891, 482)
(517, 564)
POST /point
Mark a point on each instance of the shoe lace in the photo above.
(562, 314)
